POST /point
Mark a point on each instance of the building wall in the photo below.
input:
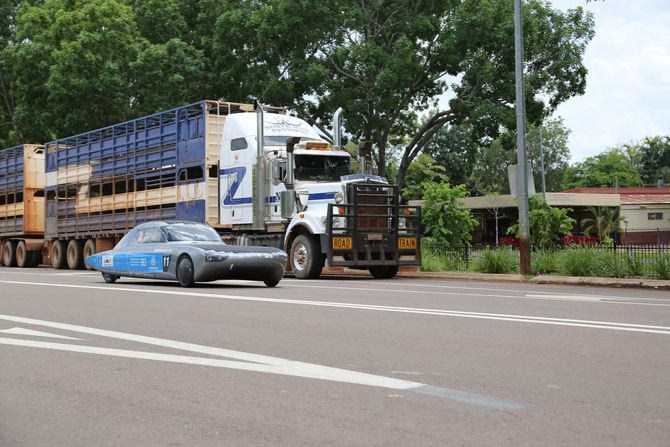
(640, 229)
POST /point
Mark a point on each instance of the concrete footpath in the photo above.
(499, 277)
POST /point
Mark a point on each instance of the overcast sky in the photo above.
(628, 86)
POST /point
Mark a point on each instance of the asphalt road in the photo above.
(334, 362)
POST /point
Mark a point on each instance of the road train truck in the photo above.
(254, 173)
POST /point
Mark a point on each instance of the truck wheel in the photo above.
(384, 271)
(306, 258)
(58, 258)
(9, 254)
(89, 250)
(23, 257)
(75, 255)
(185, 273)
(2, 250)
(109, 278)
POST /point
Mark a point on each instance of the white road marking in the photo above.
(32, 333)
(487, 289)
(245, 362)
(534, 297)
(592, 324)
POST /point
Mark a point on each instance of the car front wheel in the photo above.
(185, 272)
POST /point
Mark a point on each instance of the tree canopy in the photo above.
(71, 65)
(605, 170)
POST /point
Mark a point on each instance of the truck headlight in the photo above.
(339, 197)
(337, 222)
(401, 222)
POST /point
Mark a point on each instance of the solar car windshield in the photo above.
(186, 233)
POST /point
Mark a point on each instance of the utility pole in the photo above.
(544, 183)
(524, 223)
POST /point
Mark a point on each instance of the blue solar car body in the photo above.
(187, 252)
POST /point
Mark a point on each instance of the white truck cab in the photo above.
(295, 188)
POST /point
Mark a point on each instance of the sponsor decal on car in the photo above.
(108, 261)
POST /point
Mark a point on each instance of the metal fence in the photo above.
(620, 260)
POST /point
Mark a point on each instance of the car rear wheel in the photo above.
(109, 278)
(384, 271)
(271, 283)
(185, 272)
(306, 257)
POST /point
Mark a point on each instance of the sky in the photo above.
(628, 86)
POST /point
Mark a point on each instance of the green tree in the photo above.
(443, 218)
(489, 172)
(385, 61)
(453, 147)
(424, 169)
(547, 224)
(604, 221)
(70, 66)
(655, 159)
(605, 170)
(556, 153)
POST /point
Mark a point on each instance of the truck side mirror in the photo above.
(290, 143)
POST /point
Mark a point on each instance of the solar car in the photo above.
(187, 252)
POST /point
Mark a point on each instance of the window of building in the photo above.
(654, 216)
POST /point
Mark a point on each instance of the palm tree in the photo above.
(605, 221)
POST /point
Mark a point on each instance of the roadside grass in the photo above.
(501, 260)
(572, 261)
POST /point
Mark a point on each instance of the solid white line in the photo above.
(260, 363)
(526, 289)
(665, 330)
(296, 369)
(32, 333)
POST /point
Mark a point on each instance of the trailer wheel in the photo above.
(2, 250)
(185, 273)
(75, 255)
(23, 258)
(384, 271)
(58, 252)
(9, 254)
(89, 250)
(306, 258)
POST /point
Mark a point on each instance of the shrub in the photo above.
(430, 262)
(577, 262)
(634, 264)
(542, 262)
(662, 266)
(611, 265)
(501, 260)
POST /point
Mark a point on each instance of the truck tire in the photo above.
(306, 258)
(185, 272)
(75, 254)
(9, 254)
(89, 250)
(384, 271)
(23, 256)
(58, 255)
(2, 249)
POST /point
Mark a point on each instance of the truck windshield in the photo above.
(280, 140)
(185, 232)
(320, 167)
